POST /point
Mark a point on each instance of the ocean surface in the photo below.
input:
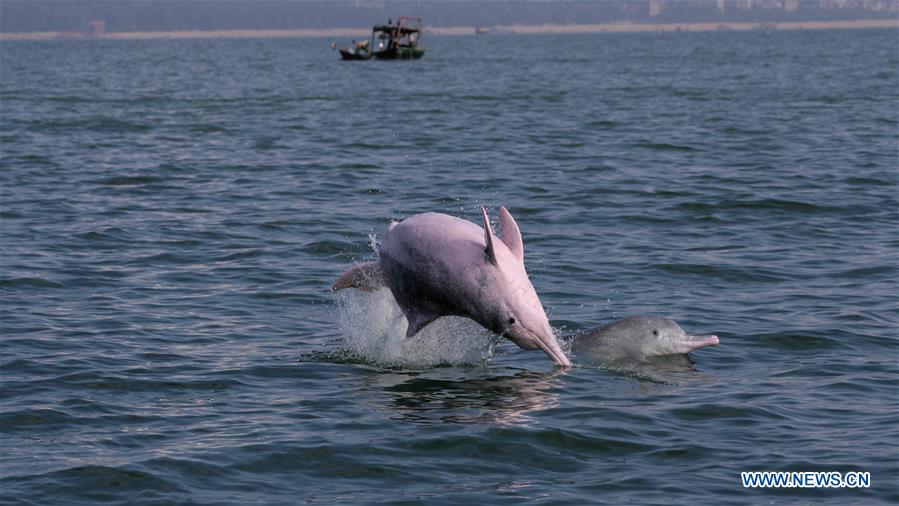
(174, 213)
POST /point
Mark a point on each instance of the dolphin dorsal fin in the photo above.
(511, 235)
(488, 237)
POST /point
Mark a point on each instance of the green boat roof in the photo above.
(391, 28)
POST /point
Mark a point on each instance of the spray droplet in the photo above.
(374, 330)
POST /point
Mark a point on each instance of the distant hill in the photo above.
(167, 15)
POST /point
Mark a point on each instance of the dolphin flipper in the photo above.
(418, 319)
(365, 276)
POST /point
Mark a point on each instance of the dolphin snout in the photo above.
(551, 347)
(696, 342)
(545, 341)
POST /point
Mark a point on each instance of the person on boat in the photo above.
(359, 47)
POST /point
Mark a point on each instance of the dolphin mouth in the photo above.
(535, 341)
(554, 351)
(696, 342)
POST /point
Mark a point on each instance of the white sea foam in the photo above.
(374, 330)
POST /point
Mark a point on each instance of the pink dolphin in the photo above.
(636, 338)
(439, 265)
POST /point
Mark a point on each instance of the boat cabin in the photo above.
(401, 41)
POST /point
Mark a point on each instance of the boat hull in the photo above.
(347, 54)
(400, 53)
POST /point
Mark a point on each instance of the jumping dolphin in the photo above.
(635, 339)
(439, 265)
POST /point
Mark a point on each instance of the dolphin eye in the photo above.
(511, 321)
(655, 332)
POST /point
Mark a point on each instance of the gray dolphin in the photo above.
(439, 265)
(635, 339)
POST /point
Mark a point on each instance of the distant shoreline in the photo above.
(459, 31)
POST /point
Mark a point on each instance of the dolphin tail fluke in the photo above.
(365, 276)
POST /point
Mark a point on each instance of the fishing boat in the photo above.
(401, 41)
(359, 51)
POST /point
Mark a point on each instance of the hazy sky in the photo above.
(151, 15)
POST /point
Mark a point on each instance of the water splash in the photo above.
(374, 330)
(373, 242)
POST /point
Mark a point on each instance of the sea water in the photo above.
(174, 213)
